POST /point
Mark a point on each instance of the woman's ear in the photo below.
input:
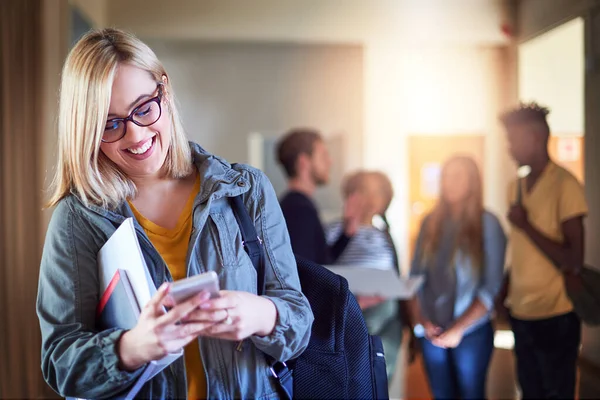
(166, 93)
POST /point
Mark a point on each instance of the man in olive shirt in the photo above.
(546, 213)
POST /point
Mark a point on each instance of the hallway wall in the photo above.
(230, 90)
(538, 16)
(459, 22)
(551, 72)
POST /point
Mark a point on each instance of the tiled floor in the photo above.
(410, 382)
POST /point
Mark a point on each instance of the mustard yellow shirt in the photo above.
(172, 245)
(537, 287)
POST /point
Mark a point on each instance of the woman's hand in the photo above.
(157, 333)
(431, 331)
(353, 211)
(239, 315)
(449, 339)
(369, 301)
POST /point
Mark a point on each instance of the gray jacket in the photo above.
(79, 360)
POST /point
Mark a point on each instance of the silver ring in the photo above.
(227, 320)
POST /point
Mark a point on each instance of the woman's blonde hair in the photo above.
(85, 93)
(354, 183)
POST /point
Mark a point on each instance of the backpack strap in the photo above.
(253, 246)
(250, 240)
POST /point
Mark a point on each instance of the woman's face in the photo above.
(373, 196)
(455, 183)
(143, 150)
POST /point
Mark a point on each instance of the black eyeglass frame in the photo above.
(157, 99)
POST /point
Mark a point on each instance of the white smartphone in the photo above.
(183, 289)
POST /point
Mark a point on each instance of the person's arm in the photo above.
(500, 300)
(337, 240)
(294, 319)
(302, 223)
(405, 315)
(430, 331)
(416, 269)
(572, 207)
(504, 288)
(353, 208)
(336, 250)
(77, 360)
(494, 249)
(414, 305)
(569, 254)
(414, 312)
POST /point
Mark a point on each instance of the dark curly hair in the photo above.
(527, 113)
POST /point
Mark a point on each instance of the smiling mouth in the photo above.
(142, 147)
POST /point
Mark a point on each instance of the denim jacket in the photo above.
(451, 283)
(79, 360)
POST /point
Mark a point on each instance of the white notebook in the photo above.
(386, 283)
(122, 251)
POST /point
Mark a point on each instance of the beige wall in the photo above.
(551, 71)
(458, 21)
(94, 10)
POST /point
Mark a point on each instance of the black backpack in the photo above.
(342, 361)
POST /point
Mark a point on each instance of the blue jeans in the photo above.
(460, 372)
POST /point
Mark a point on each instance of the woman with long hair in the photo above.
(460, 252)
(123, 153)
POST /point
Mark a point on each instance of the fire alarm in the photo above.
(507, 29)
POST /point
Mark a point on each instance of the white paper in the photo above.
(369, 281)
(122, 251)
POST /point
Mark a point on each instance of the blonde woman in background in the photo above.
(460, 251)
(123, 153)
(373, 247)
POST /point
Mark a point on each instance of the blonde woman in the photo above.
(460, 251)
(123, 153)
(373, 247)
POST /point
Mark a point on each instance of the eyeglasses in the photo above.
(145, 114)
